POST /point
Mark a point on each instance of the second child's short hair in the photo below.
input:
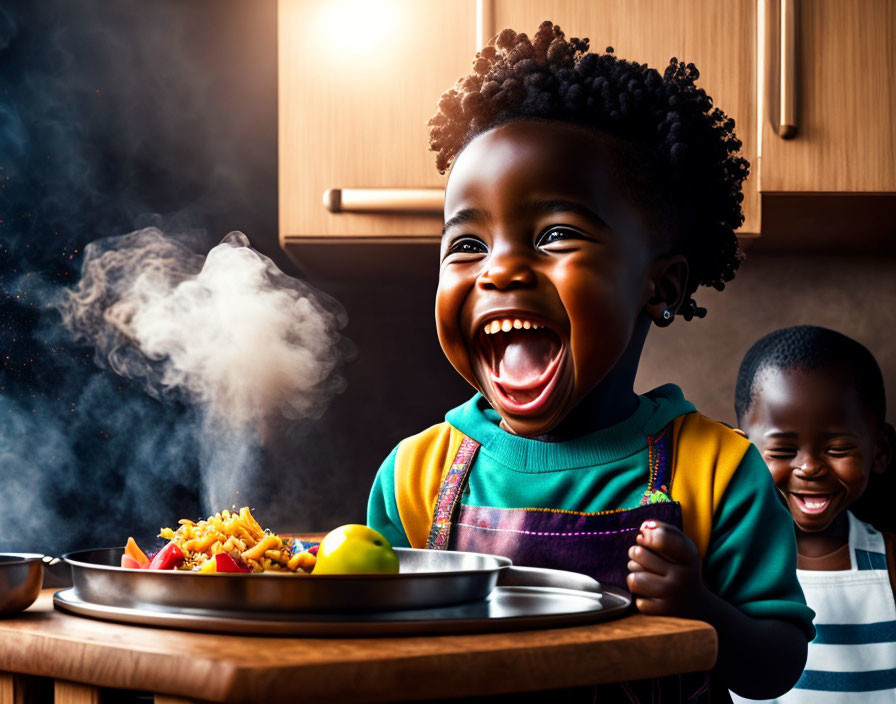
(690, 143)
(809, 347)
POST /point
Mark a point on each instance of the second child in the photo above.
(812, 400)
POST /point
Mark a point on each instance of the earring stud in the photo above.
(667, 314)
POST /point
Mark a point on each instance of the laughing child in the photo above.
(588, 198)
(812, 400)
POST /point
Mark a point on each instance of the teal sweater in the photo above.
(751, 558)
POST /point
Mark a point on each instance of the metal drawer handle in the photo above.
(384, 200)
(787, 98)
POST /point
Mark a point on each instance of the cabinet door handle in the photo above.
(787, 82)
(385, 200)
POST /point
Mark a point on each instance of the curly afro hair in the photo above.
(691, 146)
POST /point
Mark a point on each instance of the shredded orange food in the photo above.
(239, 535)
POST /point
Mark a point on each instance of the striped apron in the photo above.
(853, 656)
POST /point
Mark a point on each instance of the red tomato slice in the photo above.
(225, 563)
(167, 558)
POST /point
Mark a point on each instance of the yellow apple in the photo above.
(355, 549)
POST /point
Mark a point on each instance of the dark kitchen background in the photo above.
(119, 115)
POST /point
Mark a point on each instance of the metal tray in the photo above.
(507, 608)
(427, 579)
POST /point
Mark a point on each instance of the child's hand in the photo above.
(664, 572)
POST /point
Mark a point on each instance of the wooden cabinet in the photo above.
(836, 65)
(827, 165)
(356, 89)
(358, 81)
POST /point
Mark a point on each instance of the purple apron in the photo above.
(593, 543)
(596, 544)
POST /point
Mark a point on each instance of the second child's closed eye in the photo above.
(780, 453)
(841, 450)
(786, 453)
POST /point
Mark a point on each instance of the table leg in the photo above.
(22, 689)
(7, 689)
(75, 693)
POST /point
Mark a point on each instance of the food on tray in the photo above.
(355, 549)
(234, 542)
(226, 542)
(133, 556)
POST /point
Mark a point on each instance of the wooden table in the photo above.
(82, 656)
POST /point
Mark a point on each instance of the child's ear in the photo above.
(884, 449)
(668, 278)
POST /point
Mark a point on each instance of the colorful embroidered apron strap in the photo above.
(662, 470)
(449, 495)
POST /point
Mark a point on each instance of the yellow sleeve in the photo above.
(705, 456)
(421, 462)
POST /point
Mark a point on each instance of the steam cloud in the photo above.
(228, 332)
(113, 118)
(233, 333)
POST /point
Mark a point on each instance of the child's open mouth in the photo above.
(813, 503)
(523, 358)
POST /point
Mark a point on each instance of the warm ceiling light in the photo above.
(361, 28)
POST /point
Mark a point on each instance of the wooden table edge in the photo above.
(633, 647)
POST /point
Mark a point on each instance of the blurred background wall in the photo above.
(853, 294)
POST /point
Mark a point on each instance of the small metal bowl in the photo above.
(21, 576)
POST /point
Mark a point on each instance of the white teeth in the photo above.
(508, 324)
(815, 502)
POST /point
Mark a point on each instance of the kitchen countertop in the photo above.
(226, 668)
